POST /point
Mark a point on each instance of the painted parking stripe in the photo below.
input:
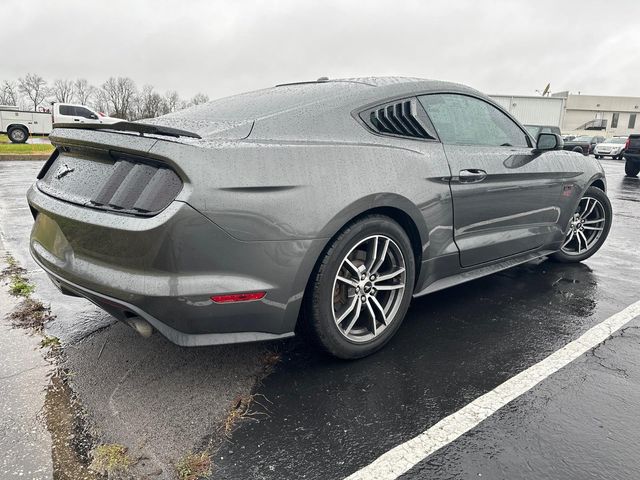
(402, 458)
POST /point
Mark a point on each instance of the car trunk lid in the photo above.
(108, 171)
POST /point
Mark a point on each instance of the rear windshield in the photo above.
(267, 102)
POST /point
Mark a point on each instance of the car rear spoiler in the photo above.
(140, 128)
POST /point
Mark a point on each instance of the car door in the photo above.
(505, 198)
(86, 115)
(67, 114)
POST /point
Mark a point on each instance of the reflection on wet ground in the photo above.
(328, 418)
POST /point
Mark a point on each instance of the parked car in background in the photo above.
(20, 124)
(583, 144)
(612, 147)
(632, 155)
(536, 130)
(319, 207)
(568, 138)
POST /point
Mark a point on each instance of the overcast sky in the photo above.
(226, 47)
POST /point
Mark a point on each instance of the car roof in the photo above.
(282, 105)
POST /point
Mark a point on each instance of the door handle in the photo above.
(76, 119)
(472, 175)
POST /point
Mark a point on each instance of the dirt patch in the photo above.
(71, 441)
(12, 269)
(31, 313)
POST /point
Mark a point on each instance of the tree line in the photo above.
(118, 96)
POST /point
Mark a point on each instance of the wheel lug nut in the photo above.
(362, 277)
(373, 291)
(372, 278)
(363, 298)
(357, 289)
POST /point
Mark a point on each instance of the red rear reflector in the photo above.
(238, 297)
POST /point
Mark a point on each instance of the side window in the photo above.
(464, 120)
(67, 110)
(83, 112)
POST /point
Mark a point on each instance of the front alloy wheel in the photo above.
(588, 227)
(361, 288)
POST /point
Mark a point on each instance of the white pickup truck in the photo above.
(19, 124)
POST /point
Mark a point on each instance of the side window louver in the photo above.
(403, 117)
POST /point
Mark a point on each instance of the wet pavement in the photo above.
(160, 400)
(327, 419)
(320, 418)
(25, 445)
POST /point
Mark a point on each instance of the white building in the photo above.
(530, 110)
(590, 114)
(610, 115)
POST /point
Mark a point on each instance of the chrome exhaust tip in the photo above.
(141, 326)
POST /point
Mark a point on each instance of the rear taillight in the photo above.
(627, 143)
(238, 297)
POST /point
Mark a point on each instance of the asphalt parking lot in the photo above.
(320, 418)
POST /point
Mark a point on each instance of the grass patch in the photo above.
(31, 313)
(50, 342)
(241, 410)
(26, 148)
(6, 146)
(194, 466)
(111, 460)
(19, 286)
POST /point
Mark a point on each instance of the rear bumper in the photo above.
(123, 311)
(166, 268)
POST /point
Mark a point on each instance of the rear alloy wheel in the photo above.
(362, 288)
(588, 227)
(631, 169)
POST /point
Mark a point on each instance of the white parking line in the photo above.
(402, 458)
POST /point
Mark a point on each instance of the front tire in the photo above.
(631, 169)
(588, 227)
(361, 289)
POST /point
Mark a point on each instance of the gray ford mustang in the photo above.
(321, 207)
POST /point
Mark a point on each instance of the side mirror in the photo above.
(549, 141)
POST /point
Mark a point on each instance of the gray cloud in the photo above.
(221, 48)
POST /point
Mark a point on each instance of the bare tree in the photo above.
(149, 104)
(63, 91)
(8, 93)
(172, 101)
(120, 93)
(83, 91)
(34, 87)
(199, 98)
(100, 101)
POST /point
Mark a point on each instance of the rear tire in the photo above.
(18, 134)
(588, 228)
(631, 169)
(361, 289)
(598, 157)
(578, 149)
